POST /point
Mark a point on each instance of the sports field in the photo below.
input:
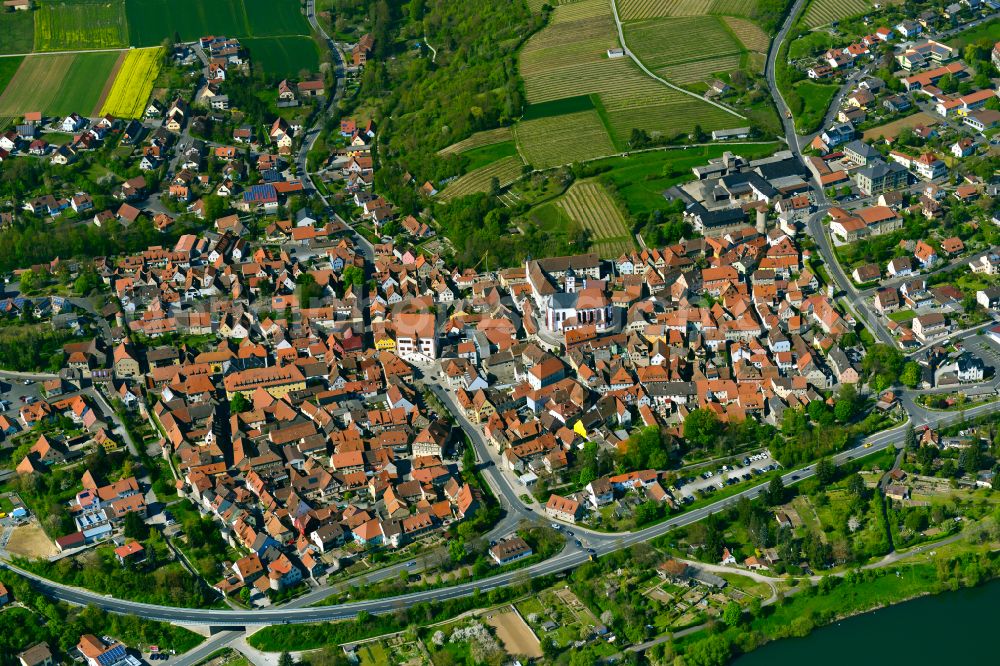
(133, 83)
(588, 203)
(822, 12)
(515, 634)
(58, 84)
(81, 24)
(505, 170)
(557, 140)
(283, 56)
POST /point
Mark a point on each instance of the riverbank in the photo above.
(835, 599)
(959, 620)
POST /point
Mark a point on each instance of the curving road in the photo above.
(855, 301)
(569, 558)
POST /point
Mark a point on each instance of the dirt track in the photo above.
(31, 542)
(515, 634)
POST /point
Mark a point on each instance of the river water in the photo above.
(948, 628)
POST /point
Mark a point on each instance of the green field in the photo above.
(283, 56)
(480, 157)
(567, 60)
(588, 204)
(822, 12)
(630, 10)
(150, 21)
(671, 41)
(58, 84)
(505, 170)
(558, 107)
(255, 22)
(16, 32)
(478, 140)
(8, 67)
(87, 24)
(274, 18)
(549, 142)
(641, 177)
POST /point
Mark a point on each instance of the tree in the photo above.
(286, 660)
(856, 485)
(711, 651)
(910, 438)
(134, 527)
(826, 471)
(911, 374)
(732, 614)
(239, 404)
(353, 275)
(29, 281)
(775, 493)
(456, 550)
(701, 427)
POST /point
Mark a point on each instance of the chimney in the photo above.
(761, 221)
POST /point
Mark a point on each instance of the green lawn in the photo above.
(17, 32)
(641, 178)
(816, 98)
(809, 44)
(848, 597)
(902, 315)
(374, 654)
(989, 31)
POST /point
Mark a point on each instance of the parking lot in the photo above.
(14, 393)
(711, 481)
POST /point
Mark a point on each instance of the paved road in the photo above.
(816, 229)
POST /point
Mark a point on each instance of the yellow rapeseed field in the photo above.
(131, 89)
